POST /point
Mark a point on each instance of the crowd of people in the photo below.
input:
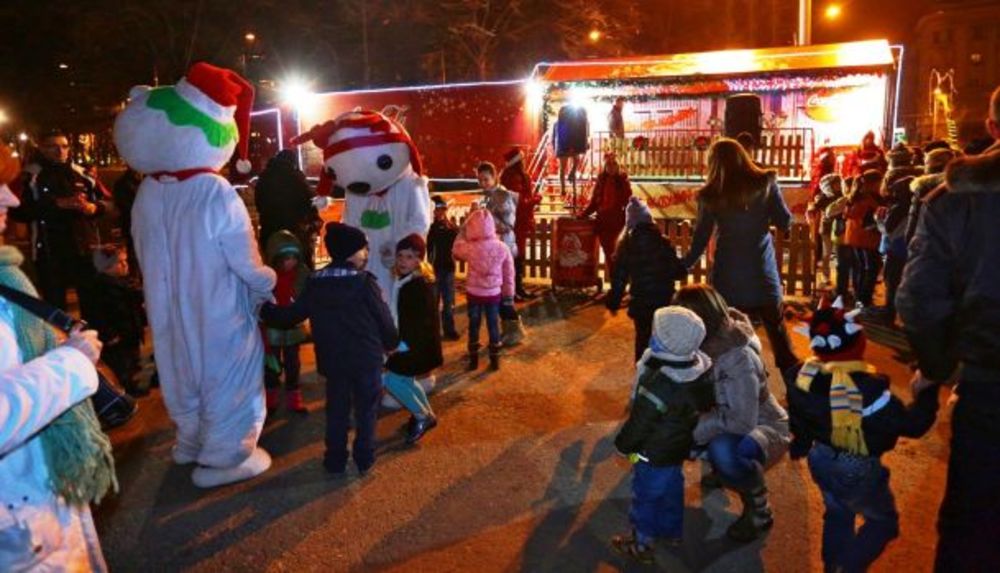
(923, 218)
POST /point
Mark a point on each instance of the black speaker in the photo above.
(743, 114)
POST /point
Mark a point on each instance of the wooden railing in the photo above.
(794, 254)
(672, 153)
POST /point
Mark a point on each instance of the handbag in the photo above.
(111, 404)
(512, 330)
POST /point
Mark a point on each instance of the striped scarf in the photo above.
(846, 405)
(77, 452)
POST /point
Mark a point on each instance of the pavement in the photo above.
(520, 475)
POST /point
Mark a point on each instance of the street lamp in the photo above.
(833, 11)
(22, 137)
(249, 37)
(594, 36)
(63, 66)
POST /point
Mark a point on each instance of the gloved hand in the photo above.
(322, 202)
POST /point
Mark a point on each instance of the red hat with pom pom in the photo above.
(224, 96)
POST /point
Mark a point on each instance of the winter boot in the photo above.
(494, 357)
(294, 401)
(473, 358)
(272, 398)
(756, 517)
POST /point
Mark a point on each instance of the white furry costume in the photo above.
(204, 278)
(373, 160)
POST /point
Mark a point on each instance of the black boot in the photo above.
(473, 358)
(756, 517)
(494, 357)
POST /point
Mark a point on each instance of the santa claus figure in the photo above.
(204, 278)
(372, 161)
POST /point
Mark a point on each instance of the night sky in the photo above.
(109, 45)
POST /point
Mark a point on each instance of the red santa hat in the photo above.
(341, 135)
(224, 96)
(513, 156)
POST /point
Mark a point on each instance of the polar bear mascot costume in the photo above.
(373, 162)
(204, 278)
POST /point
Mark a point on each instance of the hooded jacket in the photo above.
(744, 404)
(491, 265)
(647, 263)
(949, 298)
(920, 188)
(665, 410)
(289, 286)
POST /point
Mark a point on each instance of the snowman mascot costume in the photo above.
(204, 278)
(372, 161)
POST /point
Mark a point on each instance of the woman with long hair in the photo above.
(747, 431)
(738, 204)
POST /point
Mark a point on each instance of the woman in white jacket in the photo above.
(45, 521)
(747, 431)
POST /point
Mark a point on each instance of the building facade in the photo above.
(952, 65)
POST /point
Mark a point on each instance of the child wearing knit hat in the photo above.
(673, 387)
(647, 265)
(353, 331)
(844, 417)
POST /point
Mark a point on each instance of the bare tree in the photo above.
(479, 26)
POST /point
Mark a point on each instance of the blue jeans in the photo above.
(657, 502)
(446, 299)
(409, 393)
(853, 485)
(734, 458)
(492, 312)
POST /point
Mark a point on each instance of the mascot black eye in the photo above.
(331, 173)
(384, 162)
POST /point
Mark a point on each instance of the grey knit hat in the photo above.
(677, 333)
(827, 182)
(636, 213)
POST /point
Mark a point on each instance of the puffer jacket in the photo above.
(861, 231)
(502, 204)
(950, 295)
(491, 265)
(664, 413)
(647, 264)
(744, 404)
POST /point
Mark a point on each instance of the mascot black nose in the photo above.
(359, 188)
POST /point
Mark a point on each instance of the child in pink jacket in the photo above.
(489, 281)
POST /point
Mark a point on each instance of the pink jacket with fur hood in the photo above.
(491, 266)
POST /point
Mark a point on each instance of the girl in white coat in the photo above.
(45, 490)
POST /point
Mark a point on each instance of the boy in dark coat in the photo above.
(440, 240)
(352, 331)
(118, 316)
(673, 387)
(648, 262)
(844, 417)
(412, 305)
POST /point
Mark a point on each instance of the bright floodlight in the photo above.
(22, 136)
(3, 116)
(534, 90)
(297, 93)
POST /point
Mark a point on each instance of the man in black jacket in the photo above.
(949, 301)
(62, 205)
(284, 202)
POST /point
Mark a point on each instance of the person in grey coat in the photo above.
(747, 431)
(738, 204)
(501, 203)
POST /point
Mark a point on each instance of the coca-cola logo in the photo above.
(824, 106)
